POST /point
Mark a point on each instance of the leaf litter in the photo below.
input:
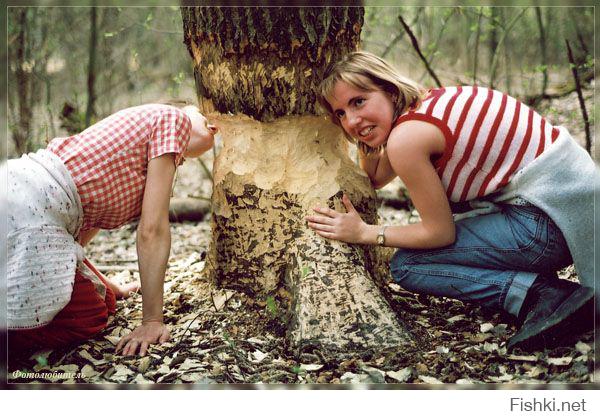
(222, 336)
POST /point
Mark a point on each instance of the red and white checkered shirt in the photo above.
(108, 161)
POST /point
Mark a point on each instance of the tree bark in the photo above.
(278, 161)
(543, 50)
(22, 130)
(91, 79)
(476, 49)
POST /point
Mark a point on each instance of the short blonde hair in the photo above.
(368, 72)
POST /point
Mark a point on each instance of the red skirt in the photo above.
(85, 315)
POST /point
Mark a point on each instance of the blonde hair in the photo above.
(368, 72)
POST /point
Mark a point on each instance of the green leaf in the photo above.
(42, 360)
(272, 306)
(297, 370)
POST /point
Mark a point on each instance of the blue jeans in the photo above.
(493, 262)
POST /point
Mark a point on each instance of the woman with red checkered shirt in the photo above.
(115, 171)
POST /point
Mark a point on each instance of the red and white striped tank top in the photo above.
(489, 137)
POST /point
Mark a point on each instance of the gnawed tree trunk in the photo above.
(277, 162)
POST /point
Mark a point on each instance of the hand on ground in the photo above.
(149, 332)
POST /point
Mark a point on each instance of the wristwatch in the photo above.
(381, 236)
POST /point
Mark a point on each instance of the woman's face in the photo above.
(202, 135)
(367, 116)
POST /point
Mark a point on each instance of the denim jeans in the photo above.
(493, 262)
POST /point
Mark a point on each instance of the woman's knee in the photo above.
(399, 266)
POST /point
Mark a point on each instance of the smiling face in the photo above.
(365, 115)
(202, 134)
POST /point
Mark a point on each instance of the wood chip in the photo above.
(401, 375)
(582, 347)
(220, 298)
(143, 364)
(490, 347)
(112, 339)
(190, 364)
(71, 368)
(481, 337)
(430, 380)
(560, 361)
(139, 379)
(88, 372)
(522, 358)
(121, 373)
(503, 378)
(87, 356)
(536, 372)
(455, 319)
(486, 327)
(311, 367)
(258, 356)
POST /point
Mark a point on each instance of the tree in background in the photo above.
(27, 58)
(137, 59)
(135, 62)
(259, 68)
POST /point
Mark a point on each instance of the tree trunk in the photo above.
(493, 43)
(91, 79)
(22, 130)
(543, 50)
(476, 49)
(278, 161)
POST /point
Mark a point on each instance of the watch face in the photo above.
(380, 239)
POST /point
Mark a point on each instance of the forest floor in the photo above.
(227, 337)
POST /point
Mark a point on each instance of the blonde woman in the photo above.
(527, 186)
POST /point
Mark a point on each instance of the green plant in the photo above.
(272, 307)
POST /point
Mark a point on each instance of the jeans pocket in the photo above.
(529, 228)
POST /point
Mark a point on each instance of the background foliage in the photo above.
(138, 56)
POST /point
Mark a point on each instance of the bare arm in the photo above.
(153, 247)
(378, 168)
(87, 235)
(410, 148)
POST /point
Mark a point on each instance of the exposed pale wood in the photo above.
(277, 163)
